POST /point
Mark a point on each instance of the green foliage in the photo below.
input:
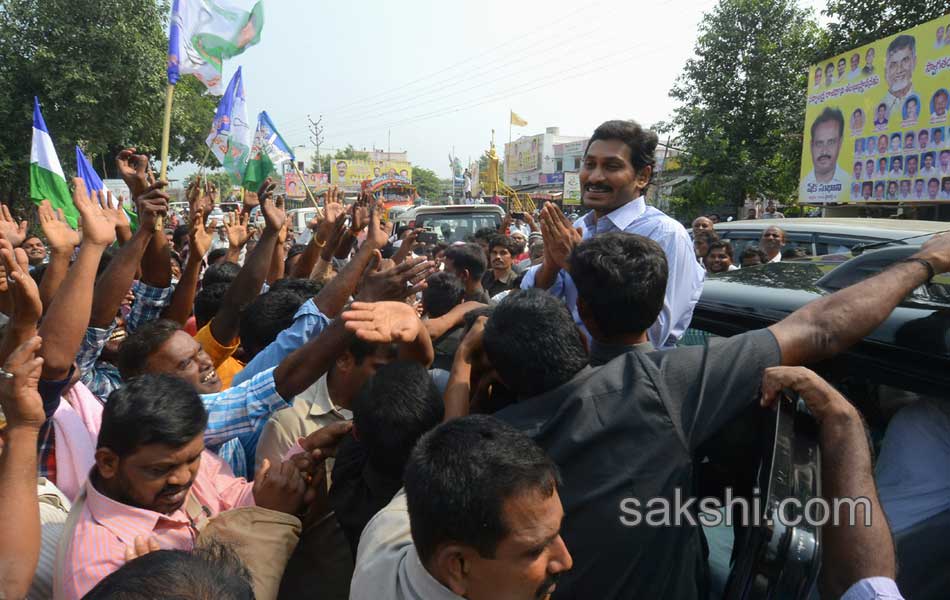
(319, 166)
(349, 153)
(858, 22)
(426, 182)
(742, 102)
(98, 69)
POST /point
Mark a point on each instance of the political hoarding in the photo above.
(524, 154)
(876, 122)
(317, 182)
(352, 173)
(572, 188)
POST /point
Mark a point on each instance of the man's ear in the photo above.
(643, 177)
(344, 362)
(107, 463)
(451, 566)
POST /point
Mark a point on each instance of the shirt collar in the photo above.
(422, 582)
(125, 521)
(602, 353)
(318, 396)
(621, 217)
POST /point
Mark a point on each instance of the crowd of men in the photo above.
(366, 416)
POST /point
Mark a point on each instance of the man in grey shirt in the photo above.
(479, 518)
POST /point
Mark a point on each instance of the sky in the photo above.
(432, 77)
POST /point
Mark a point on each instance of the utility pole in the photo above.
(316, 138)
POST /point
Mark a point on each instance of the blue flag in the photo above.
(88, 174)
(230, 138)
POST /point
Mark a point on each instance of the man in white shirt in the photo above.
(771, 242)
(899, 64)
(929, 169)
(945, 162)
(826, 181)
(617, 168)
(479, 518)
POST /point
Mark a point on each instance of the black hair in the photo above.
(295, 250)
(621, 278)
(305, 288)
(459, 476)
(721, 245)
(266, 316)
(361, 349)
(444, 292)
(505, 242)
(485, 234)
(225, 272)
(151, 409)
(468, 257)
(181, 232)
(208, 571)
(393, 409)
(642, 142)
(707, 237)
(532, 342)
(901, 42)
(208, 302)
(753, 250)
(215, 255)
(829, 115)
(141, 344)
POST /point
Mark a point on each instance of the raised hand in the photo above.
(560, 236)
(281, 488)
(376, 233)
(236, 226)
(471, 346)
(19, 397)
(133, 169)
(383, 322)
(97, 227)
(113, 207)
(199, 236)
(61, 237)
(10, 229)
(151, 205)
(394, 283)
(27, 306)
(823, 400)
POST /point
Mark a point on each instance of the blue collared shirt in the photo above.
(308, 323)
(685, 282)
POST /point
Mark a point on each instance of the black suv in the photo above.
(905, 359)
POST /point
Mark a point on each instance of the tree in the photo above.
(319, 166)
(426, 182)
(742, 100)
(855, 23)
(349, 153)
(98, 69)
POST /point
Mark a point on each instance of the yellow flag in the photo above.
(516, 120)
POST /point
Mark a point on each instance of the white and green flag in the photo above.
(47, 181)
(267, 153)
(230, 138)
(204, 33)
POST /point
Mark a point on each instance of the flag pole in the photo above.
(303, 182)
(166, 134)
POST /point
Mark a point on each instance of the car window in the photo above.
(456, 227)
(828, 243)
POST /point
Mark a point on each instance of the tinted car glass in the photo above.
(456, 227)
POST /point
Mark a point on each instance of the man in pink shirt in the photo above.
(154, 484)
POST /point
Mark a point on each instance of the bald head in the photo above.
(702, 224)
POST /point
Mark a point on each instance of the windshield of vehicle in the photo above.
(456, 227)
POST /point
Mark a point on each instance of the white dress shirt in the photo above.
(685, 282)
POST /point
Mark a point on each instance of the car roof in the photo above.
(461, 209)
(883, 228)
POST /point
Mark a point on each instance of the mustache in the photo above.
(172, 490)
(546, 585)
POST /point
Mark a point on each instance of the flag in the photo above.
(230, 138)
(47, 181)
(94, 184)
(203, 33)
(268, 151)
(516, 120)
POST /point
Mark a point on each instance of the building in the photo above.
(531, 162)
